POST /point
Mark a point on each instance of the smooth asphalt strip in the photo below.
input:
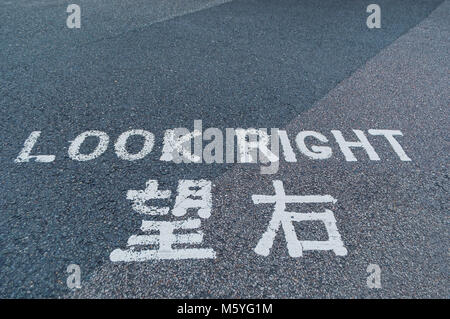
(240, 64)
(390, 213)
(43, 21)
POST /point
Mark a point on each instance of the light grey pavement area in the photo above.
(390, 213)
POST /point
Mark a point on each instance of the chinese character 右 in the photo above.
(285, 219)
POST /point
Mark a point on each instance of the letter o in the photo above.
(74, 148)
(121, 142)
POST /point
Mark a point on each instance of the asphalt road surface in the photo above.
(155, 65)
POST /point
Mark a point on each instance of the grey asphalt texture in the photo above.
(157, 65)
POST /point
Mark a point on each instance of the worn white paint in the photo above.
(165, 239)
(258, 140)
(284, 219)
(187, 190)
(139, 198)
(120, 145)
(192, 194)
(252, 146)
(346, 145)
(174, 147)
(24, 155)
(389, 135)
(74, 148)
(316, 152)
(145, 255)
(169, 239)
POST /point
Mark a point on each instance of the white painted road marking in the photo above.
(253, 146)
(24, 155)
(192, 194)
(284, 219)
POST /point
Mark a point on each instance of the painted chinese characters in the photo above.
(192, 194)
(284, 219)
